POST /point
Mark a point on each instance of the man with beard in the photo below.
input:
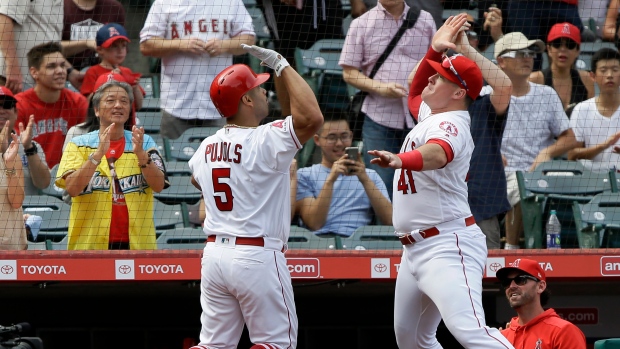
(525, 286)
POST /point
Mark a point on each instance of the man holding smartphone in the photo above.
(340, 194)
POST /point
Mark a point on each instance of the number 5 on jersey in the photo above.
(225, 204)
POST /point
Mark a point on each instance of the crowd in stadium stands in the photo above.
(551, 111)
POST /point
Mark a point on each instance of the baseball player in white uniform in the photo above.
(243, 173)
(440, 274)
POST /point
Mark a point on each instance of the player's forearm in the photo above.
(160, 47)
(39, 172)
(307, 116)
(233, 45)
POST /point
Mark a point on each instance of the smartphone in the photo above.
(353, 152)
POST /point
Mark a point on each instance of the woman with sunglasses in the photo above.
(572, 85)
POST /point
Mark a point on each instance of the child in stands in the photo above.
(112, 43)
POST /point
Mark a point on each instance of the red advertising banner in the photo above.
(302, 264)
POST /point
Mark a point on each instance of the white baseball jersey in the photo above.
(186, 78)
(427, 198)
(245, 181)
(592, 128)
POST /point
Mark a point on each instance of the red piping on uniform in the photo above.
(446, 148)
(469, 291)
(284, 299)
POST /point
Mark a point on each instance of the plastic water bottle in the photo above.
(553, 231)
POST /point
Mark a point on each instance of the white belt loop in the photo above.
(417, 237)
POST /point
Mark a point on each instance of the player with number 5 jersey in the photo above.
(440, 275)
(243, 173)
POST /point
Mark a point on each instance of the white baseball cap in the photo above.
(517, 41)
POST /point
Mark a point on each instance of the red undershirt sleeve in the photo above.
(446, 148)
(420, 80)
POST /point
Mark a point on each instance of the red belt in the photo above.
(244, 241)
(430, 232)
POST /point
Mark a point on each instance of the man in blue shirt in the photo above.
(339, 195)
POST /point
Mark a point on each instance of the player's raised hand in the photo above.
(269, 58)
(446, 35)
(385, 159)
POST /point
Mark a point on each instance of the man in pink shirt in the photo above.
(387, 120)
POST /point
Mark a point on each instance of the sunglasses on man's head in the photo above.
(569, 44)
(447, 63)
(519, 280)
(7, 104)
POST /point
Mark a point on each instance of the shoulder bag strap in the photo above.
(410, 19)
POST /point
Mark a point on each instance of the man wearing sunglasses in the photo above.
(36, 173)
(536, 118)
(525, 286)
(440, 274)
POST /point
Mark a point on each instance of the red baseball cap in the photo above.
(6, 93)
(102, 79)
(467, 76)
(564, 30)
(528, 266)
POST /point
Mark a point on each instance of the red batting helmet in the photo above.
(231, 84)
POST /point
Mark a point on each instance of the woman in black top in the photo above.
(572, 85)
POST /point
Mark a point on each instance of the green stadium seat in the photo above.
(182, 239)
(373, 237)
(53, 189)
(598, 221)
(167, 216)
(301, 238)
(611, 343)
(150, 120)
(556, 185)
(182, 148)
(318, 65)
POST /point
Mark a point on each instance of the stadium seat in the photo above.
(182, 148)
(178, 168)
(161, 144)
(52, 189)
(587, 50)
(180, 190)
(318, 65)
(373, 237)
(556, 185)
(301, 238)
(598, 221)
(151, 104)
(37, 246)
(167, 216)
(611, 343)
(182, 239)
(150, 120)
